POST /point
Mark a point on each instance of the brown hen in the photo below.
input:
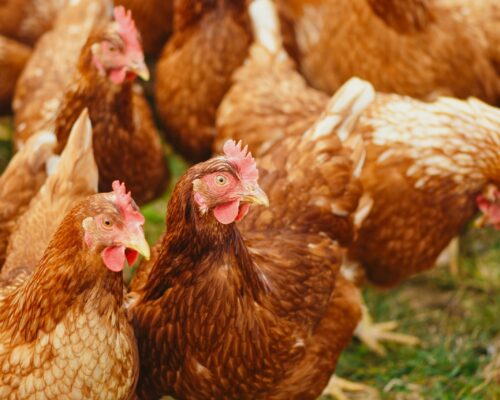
(426, 163)
(97, 61)
(420, 48)
(64, 331)
(255, 309)
(210, 40)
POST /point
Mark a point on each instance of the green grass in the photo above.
(5, 141)
(457, 318)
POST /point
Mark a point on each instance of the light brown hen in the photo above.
(420, 48)
(73, 177)
(426, 163)
(64, 332)
(20, 182)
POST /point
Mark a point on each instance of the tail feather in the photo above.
(340, 117)
(77, 160)
(358, 154)
(74, 177)
(344, 110)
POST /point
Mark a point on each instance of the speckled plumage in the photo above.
(51, 68)
(419, 48)
(210, 40)
(426, 163)
(70, 343)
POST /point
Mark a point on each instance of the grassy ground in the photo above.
(457, 319)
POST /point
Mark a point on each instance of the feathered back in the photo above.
(75, 176)
(312, 180)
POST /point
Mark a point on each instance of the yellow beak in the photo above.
(256, 196)
(138, 243)
(141, 70)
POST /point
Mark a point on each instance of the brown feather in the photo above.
(194, 71)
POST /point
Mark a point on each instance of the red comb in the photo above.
(125, 203)
(126, 28)
(242, 159)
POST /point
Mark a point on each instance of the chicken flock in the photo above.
(335, 144)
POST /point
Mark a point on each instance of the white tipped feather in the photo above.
(43, 137)
(344, 110)
(51, 164)
(38, 149)
(364, 207)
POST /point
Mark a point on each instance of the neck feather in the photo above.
(196, 245)
(109, 104)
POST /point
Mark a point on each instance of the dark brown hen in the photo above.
(90, 61)
(256, 308)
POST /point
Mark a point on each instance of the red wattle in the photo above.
(118, 76)
(114, 258)
(227, 213)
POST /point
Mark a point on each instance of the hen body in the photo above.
(51, 95)
(210, 40)
(64, 332)
(426, 164)
(422, 169)
(420, 48)
(257, 309)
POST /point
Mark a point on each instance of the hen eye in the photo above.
(221, 180)
(107, 223)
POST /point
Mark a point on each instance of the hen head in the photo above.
(228, 185)
(488, 203)
(115, 230)
(118, 54)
